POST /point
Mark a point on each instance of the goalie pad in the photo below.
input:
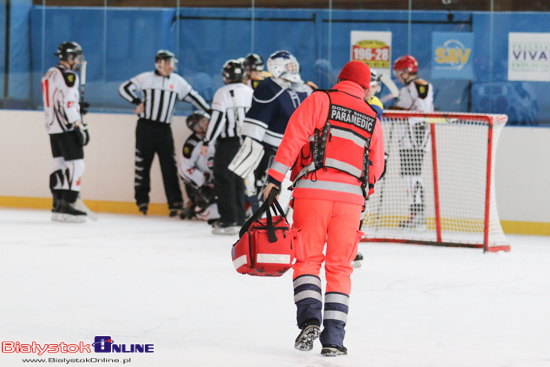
(248, 158)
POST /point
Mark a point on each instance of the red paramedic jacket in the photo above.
(326, 183)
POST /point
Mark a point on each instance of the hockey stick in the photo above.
(390, 84)
(79, 203)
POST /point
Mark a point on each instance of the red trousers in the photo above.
(336, 224)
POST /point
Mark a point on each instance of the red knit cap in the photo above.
(357, 72)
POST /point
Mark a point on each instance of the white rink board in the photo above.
(522, 174)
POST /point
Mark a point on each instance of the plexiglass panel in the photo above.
(481, 56)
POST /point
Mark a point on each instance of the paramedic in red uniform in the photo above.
(335, 146)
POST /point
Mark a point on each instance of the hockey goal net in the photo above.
(439, 186)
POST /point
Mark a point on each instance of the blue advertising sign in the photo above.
(452, 55)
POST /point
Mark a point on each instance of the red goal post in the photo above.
(451, 190)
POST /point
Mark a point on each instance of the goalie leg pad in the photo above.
(248, 158)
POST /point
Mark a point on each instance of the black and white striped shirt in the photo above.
(229, 107)
(159, 95)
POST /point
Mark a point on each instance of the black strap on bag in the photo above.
(270, 202)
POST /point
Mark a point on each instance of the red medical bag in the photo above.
(265, 246)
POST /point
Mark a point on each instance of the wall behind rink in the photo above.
(522, 174)
(108, 182)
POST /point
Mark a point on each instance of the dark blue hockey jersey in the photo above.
(272, 105)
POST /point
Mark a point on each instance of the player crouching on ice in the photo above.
(63, 111)
(196, 171)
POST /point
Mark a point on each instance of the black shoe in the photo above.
(332, 350)
(310, 332)
(68, 213)
(359, 257)
(143, 208)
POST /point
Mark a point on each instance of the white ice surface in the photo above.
(171, 283)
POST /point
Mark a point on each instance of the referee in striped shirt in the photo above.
(155, 93)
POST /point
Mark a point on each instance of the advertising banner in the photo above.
(373, 48)
(528, 55)
(452, 55)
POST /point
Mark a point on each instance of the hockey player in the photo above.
(159, 90)
(229, 106)
(274, 101)
(196, 171)
(413, 136)
(68, 133)
(254, 70)
(372, 99)
(335, 147)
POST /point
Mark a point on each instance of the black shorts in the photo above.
(66, 145)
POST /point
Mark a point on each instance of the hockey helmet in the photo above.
(165, 55)
(67, 49)
(405, 63)
(233, 71)
(253, 62)
(193, 121)
(375, 81)
(282, 64)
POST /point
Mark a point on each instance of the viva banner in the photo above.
(529, 57)
(372, 48)
(452, 55)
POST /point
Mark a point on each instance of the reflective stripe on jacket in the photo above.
(329, 183)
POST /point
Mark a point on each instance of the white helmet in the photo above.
(281, 64)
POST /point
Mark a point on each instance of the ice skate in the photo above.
(332, 350)
(357, 262)
(68, 213)
(56, 211)
(225, 228)
(310, 332)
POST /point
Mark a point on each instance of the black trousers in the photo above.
(153, 137)
(229, 187)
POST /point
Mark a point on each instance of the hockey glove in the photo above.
(84, 106)
(82, 133)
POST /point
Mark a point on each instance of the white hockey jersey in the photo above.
(61, 99)
(159, 95)
(195, 169)
(229, 107)
(418, 95)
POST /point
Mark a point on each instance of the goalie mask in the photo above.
(71, 52)
(232, 71)
(281, 64)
